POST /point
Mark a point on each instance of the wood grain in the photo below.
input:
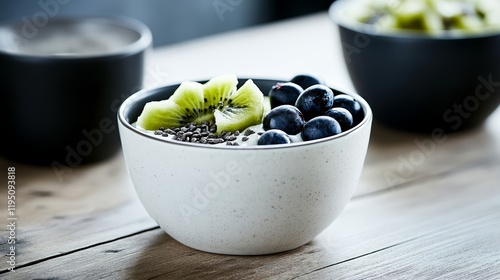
(93, 204)
(98, 201)
(468, 249)
(410, 156)
(426, 218)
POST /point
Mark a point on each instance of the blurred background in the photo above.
(172, 21)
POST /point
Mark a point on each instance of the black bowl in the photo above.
(62, 83)
(420, 82)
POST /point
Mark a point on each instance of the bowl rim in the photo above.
(337, 7)
(144, 93)
(144, 41)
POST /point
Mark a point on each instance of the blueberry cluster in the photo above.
(305, 106)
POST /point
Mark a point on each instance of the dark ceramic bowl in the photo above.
(421, 82)
(62, 83)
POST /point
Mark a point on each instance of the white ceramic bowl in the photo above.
(241, 200)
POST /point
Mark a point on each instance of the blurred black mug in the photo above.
(61, 85)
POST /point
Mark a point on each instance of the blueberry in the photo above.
(342, 116)
(286, 118)
(320, 127)
(305, 80)
(274, 136)
(348, 102)
(284, 94)
(314, 101)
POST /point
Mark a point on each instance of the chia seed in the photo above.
(203, 133)
(249, 132)
(215, 141)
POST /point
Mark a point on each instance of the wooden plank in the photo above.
(468, 249)
(90, 205)
(427, 211)
(254, 53)
(96, 203)
(400, 157)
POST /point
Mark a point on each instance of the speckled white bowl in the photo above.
(241, 200)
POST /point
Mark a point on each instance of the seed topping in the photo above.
(203, 133)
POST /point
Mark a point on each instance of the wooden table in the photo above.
(422, 210)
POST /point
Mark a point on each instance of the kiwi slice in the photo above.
(181, 108)
(218, 100)
(242, 109)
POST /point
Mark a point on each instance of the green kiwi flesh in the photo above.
(217, 100)
(243, 108)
